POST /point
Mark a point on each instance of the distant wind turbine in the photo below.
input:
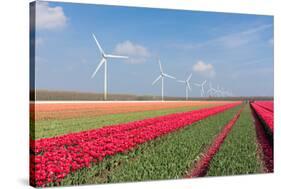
(104, 58)
(218, 92)
(211, 90)
(162, 76)
(202, 87)
(187, 85)
(223, 92)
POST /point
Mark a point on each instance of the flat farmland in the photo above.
(105, 142)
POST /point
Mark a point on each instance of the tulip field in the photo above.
(83, 143)
(264, 110)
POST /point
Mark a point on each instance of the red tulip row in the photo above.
(53, 158)
(265, 144)
(266, 104)
(265, 115)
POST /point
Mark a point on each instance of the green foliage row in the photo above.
(239, 152)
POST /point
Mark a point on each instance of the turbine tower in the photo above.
(202, 87)
(162, 76)
(187, 85)
(211, 90)
(222, 92)
(103, 61)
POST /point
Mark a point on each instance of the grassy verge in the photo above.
(239, 152)
(166, 157)
(51, 128)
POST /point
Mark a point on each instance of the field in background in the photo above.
(44, 111)
(52, 95)
(53, 119)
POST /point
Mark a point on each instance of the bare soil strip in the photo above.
(201, 167)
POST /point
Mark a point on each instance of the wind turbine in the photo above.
(162, 76)
(202, 87)
(187, 85)
(211, 90)
(103, 61)
(219, 92)
(223, 92)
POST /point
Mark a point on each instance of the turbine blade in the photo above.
(157, 79)
(204, 82)
(189, 77)
(97, 69)
(188, 85)
(159, 62)
(169, 76)
(101, 51)
(202, 92)
(115, 56)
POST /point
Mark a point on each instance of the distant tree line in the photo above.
(51, 95)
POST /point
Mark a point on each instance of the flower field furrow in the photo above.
(54, 158)
(265, 115)
(202, 165)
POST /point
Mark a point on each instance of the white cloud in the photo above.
(232, 40)
(50, 18)
(242, 38)
(137, 53)
(204, 69)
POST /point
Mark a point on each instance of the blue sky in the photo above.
(234, 51)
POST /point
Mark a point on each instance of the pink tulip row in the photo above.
(265, 143)
(265, 104)
(53, 159)
(264, 114)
